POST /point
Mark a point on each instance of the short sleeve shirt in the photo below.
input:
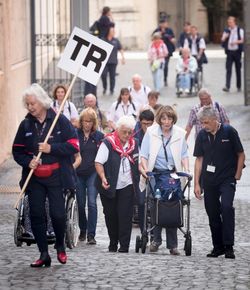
(219, 150)
(194, 121)
(69, 110)
(124, 176)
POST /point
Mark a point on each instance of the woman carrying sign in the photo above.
(54, 172)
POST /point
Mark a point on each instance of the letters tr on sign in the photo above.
(87, 53)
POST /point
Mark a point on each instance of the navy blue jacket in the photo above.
(63, 140)
(88, 151)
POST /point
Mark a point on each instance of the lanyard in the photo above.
(125, 112)
(165, 145)
(40, 131)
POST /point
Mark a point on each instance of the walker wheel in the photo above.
(188, 245)
(137, 244)
(144, 244)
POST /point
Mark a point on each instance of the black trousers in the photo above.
(38, 189)
(233, 57)
(166, 68)
(118, 214)
(110, 69)
(220, 211)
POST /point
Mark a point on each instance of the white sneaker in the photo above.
(181, 90)
(187, 91)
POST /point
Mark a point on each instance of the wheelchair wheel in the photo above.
(199, 79)
(18, 228)
(137, 244)
(144, 244)
(188, 245)
(72, 229)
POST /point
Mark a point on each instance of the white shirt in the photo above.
(202, 45)
(124, 175)
(69, 110)
(122, 110)
(140, 97)
(234, 37)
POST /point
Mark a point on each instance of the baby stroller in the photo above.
(173, 213)
(22, 227)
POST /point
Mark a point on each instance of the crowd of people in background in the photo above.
(108, 154)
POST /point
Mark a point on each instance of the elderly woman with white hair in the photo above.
(118, 181)
(52, 175)
(186, 67)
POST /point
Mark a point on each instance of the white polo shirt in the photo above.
(122, 110)
(140, 97)
(69, 110)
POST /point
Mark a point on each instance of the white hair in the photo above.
(39, 93)
(126, 121)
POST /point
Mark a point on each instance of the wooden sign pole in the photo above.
(47, 137)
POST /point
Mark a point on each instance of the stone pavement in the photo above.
(92, 267)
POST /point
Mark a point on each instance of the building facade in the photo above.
(33, 33)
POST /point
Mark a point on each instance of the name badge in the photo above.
(211, 168)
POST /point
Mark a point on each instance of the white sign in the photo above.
(86, 53)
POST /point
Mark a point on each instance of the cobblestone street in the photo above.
(93, 267)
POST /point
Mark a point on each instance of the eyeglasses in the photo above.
(126, 132)
(145, 123)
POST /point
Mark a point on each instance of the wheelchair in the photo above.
(22, 227)
(195, 86)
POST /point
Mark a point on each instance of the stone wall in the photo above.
(14, 68)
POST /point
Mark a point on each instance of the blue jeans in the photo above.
(86, 188)
(158, 76)
(185, 81)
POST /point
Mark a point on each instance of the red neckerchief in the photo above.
(117, 146)
(157, 45)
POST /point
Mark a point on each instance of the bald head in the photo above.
(90, 101)
(137, 81)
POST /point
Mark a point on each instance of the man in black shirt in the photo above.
(219, 162)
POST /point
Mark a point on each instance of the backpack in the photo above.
(224, 44)
(94, 28)
(69, 107)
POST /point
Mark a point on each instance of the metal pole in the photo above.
(33, 40)
(246, 10)
(80, 14)
(80, 18)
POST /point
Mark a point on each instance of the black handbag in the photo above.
(168, 214)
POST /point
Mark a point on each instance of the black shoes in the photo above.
(82, 236)
(91, 240)
(229, 252)
(123, 250)
(225, 89)
(216, 253)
